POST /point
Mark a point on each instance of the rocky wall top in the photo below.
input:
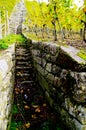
(64, 56)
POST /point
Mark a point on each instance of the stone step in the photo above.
(23, 68)
(26, 83)
(22, 55)
(20, 49)
(23, 63)
(22, 58)
(23, 74)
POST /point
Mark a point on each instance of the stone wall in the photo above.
(17, 18)
(62, 76)
(7, 66)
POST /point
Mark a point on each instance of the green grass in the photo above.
(10, 39)
(82, 54)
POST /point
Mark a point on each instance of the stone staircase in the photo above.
(17, 17)
(28, 95)
(24, 70)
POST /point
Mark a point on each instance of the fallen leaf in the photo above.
(33, 116)
(22, 91)
(26, 107)
(35, 106)
(37, 110)
(27, 125)
(16, 92)
(44, 105)
(17, 89)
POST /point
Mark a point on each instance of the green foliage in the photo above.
(49, 125)
(6, 5)
(68, 14)
(3, 45)
(15, 109)
(10, 39)
(82, 54)
(15, 125)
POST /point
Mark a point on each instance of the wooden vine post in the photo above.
(84, 21)
(0, 26)
(7, 20)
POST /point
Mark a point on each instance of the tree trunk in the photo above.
(55, 33)
(84, 33)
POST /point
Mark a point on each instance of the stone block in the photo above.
(35, 44)
(56, 70)
(43, 62)
(43, 55)
(38, 60)
(79, 126)
(45, 47)
(50, 78)
(48, 67)
(57, 82)
(54, 49)
(77, 111)
(52, 59)
(35, 52)
(79, 88)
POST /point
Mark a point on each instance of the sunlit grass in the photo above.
(10, 39)
(82, 54)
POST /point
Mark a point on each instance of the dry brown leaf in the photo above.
(16, 92)
(33, 116)
(26, 107)
(27, 125)
(21, 91)
(37, 110)
(44, 105)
